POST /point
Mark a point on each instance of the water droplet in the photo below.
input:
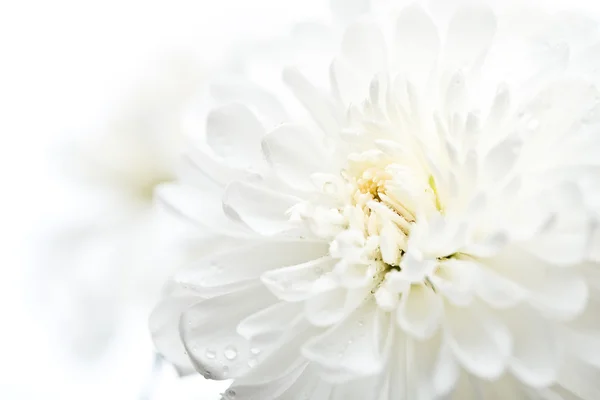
(350, 341)
(225, 370)
(210, 354)
(252, 362)
(230, 353)
(255, 350)
(361, 323)
(230, 393)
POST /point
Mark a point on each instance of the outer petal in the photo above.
(322, 110)
(248, 262)
(352, 348)
(420, 311)
(164, 327)
(295, 153)
(262, 209)
(233, 132)
(470, 34)
(536, 354)
(208, 332)
(479, 343)
(417, 41)
(295, 283)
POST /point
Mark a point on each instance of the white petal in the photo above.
(208, 332)
(391, 242)
(164, 327)
(310, 386)
(280, 357)
(536, 354)
(496, 290)
(357, 389)
(580, 378)
(500, 160)
(557, 292)
(201, 207)
(434, 371)
(246, 92)
(271, 390)
(295, 153)
(320, 107)
(417, 42)
(233, 132)
(420, 311)
(352, 348)
(479, 343)
(295, 283)
(584, 346)
(363, 46)
(271, 321)
(331, 306)
(560, 294)
(260, 208)
(566, 241)
(470, 34)
(456, 281)
(248, 262)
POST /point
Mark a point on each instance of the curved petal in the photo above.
(233, 132)
(496, 290)
(269, 322)
(208, 332)
(281, 356)
(164, 327)
(352, 348)
(246, 92)
(295, 283)
(328, 307)
(263, 210)
(481, 344)
(420, 311)
(536, 353)
(294, 152)
(322, 110)
(201, 207)
(417, 42)
(470, 34)
(248, 262)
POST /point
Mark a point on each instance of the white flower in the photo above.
(422, 228)
(100, 272)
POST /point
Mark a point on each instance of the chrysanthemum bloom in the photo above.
(421, 228)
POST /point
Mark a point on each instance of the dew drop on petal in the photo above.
(255, 350)
(210, 354)
(252, 362)
(230, 353)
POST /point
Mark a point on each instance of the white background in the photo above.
(62, 65)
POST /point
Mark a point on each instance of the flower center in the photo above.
(367, 214)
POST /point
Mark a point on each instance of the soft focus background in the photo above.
(66, 67)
